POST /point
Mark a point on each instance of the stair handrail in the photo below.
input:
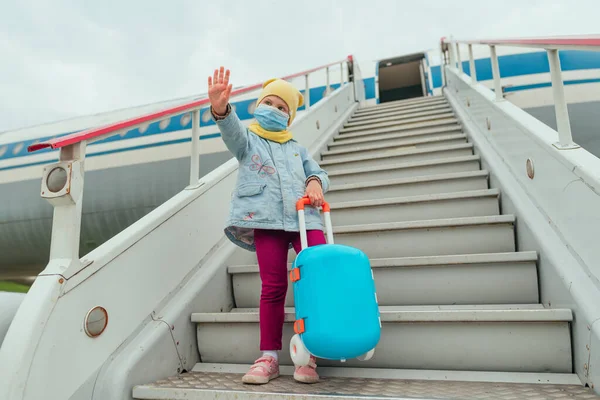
(62, 182)
(547, 180)
(552, 45)
(99, 133)
(127, 303)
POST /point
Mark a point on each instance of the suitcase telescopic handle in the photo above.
(303, 202)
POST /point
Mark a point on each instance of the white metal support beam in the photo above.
(472, 64)
(565, 138)
(496, 74)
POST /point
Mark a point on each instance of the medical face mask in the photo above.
(271, 118)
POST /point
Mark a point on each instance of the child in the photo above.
(274, 173)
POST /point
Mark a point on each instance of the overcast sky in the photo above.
(63, 58)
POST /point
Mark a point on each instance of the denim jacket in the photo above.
(271, 178)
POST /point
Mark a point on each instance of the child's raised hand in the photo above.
(315, 193)
(219, 90)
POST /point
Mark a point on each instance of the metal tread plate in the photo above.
(356, 138)
(525, 313)
(411, 179)
(406, 165)
(414, 123)
(422, 261)
(400, 152)
(218, 385)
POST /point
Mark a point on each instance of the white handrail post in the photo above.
(443, 63)
(451, 54)
(195, 161)
(565, 138)
(307, 93)
(458, 60)
(327, 85)
(62, 186)
(341, 74)
(496, 73)
(422, 73)
(472, 65)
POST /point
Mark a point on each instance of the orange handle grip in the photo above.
(305, 201)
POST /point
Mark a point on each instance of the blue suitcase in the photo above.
(337, 315)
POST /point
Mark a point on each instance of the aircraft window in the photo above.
(143, 128)
(18, 148)
(206, 115)
(164, 123)
(3, 150)
(185, 119)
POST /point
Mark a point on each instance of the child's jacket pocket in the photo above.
(250, 189)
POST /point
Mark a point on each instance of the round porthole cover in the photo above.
(96, 321)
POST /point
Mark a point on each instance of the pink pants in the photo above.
(272, 251)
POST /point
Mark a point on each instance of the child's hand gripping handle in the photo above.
(305, 201)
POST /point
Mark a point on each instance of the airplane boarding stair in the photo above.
(455, 293)
(480, 222)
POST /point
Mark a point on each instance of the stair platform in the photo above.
(211, 382)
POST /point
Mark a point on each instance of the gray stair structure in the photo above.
(407, 124)
(379, 158)
(219, 381)
(401, 105)
(526, 338)
(377, 136)
(401, 116)
(414, 186)
(455, 293)
(434, 107)
(491, 278)
(477, 203)
(405, 169)
(392, 142)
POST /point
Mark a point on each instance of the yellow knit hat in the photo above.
(285, 91)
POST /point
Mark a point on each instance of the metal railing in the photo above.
(62, 182)
(552, 47)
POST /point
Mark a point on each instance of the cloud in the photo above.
(64, 58)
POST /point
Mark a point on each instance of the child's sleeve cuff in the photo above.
(217, 117)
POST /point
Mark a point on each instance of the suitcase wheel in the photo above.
(299, 353)
(367, 356)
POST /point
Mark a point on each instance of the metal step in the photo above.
(397, 117)
(390, 138)
(414, 100)
(405, 170)
(477, 203)
(450, 124)
(403, 103)
(493, 278)
(423, 238)
(442, 118)
(224, 381)
(211, 382)
(440, 106)
(510, 338)
(405, 108)
(414, 186)
(466, 235)
(403, 144)
(379, 157)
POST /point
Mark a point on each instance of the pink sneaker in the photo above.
(263, 370)
(307, 374)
